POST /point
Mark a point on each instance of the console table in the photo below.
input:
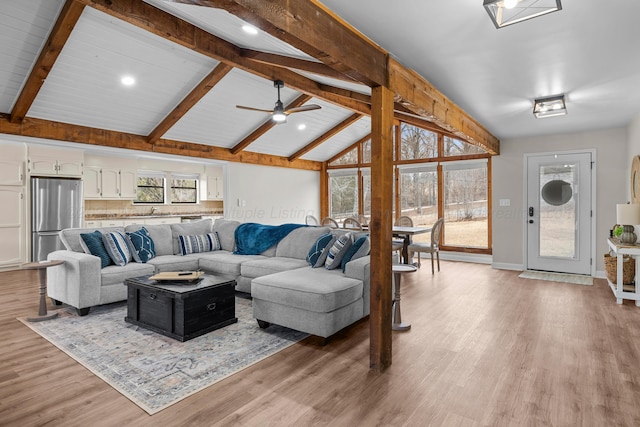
(617, 289)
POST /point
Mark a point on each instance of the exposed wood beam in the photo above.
(67, 19)
(380, 226)
(38, 128)
(313, 29)
(266, 126)
(349, 148)
(289, 62)
(212, 79)
(328, 134)
(419, 96)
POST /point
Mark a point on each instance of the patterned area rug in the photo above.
(576, 279)
(155, 371)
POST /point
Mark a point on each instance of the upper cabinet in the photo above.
(212, 184)
(110, 178)
(12, 164)
(53, 161)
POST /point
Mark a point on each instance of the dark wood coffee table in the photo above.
(181, 310)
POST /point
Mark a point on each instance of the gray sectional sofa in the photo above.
(285, 289)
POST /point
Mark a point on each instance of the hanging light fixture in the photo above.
(549, 107)
(507, 12)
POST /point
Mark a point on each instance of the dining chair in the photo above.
(397, 245)
(433, 247)
(352, 224)
(311, 220)
(330, 222)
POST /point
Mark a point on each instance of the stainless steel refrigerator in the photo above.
(56, 204)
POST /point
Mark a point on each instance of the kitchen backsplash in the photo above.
(124, 208)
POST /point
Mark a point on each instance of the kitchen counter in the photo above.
(191, 215)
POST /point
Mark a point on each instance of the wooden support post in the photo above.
(381, 223)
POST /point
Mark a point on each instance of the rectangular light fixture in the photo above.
(549, 107)
(507, 12)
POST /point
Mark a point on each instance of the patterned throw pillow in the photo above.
(318, 252)
(360, 248)
(202, 243)
(92, 244)
(337, 251)
(116, 245)
(141, 245)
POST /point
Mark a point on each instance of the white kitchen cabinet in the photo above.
(12, 226)
(92, 183)
(107, 183)
(12, 164)
(53, 161)
(112, 223)
(212, 186)
(165, 220)
(92, 224)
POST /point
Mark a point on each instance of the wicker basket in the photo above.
(628, 269)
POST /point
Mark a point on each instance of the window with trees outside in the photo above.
(184, 189)
(437, 175)
(150, 188)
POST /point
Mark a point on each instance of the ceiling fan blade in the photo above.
(254, 109)
(309, 107)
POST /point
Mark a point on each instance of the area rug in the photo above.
(155, 371)
(576, 279)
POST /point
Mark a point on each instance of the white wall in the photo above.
(633, 148)
(271, 195)
(612, 172)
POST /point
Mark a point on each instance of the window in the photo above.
(466, 210)
(456, 147)
(184, 189)
(150, 187)
(417, 143)
(343, 193)
(419, 195)
(350, 158)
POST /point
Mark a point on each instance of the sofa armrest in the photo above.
(76, 282)
(359, 269)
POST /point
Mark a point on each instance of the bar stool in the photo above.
(398, 270)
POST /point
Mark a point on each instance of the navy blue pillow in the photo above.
(93, 245)
(141, 245)
(318, 252)
(360, 248)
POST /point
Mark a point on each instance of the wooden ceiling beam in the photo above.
(60, 32)
(312, 28)
(38, 128)
(212, 79)
(325, 136)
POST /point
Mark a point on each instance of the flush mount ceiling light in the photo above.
(128, 80)
(549, 107)
(507, 12)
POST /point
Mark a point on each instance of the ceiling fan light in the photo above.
(279, 117)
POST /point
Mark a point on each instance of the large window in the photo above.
(150, 188)
(419, 195)
(343, 193)
(184, 189)
(466, 209)
(417, 143)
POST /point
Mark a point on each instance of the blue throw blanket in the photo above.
(253, 239)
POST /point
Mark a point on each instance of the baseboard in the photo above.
(507, 266)
(465, 257)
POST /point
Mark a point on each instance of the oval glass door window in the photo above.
(556, 192)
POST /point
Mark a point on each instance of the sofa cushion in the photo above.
(116, 244)
(226, 230)
(317, 290)
(92, 244)
(223, 262)
(201, 243)
(340, 246)
(71, 236)
(296, 244)
(141, 245)
(114, 274)
(194, 228)
(160, 234)
(318, 253)
(262, 267)
(359, 249)
(174, 263)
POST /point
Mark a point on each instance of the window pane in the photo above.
(184, 191)
(456, 147)
(350, 158)
(418, 143)
(343, 194)
(419, 199)
(465, 207)
(366, 151)
(150, 190)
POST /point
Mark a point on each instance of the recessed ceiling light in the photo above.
(302, 126)
(128, 80)
(250, 29)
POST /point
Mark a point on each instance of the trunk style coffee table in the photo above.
(181, 310)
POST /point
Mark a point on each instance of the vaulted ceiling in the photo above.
(62, 64)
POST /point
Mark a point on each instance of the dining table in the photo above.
(406, 234)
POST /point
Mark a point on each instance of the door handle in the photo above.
(530, 221)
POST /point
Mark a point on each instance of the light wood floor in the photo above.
(485, 349)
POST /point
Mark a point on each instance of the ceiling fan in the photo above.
(279, 114)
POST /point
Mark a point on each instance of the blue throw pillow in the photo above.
(141, 245)
(116, 245)
(340, 247)
(202, 243)
(318, 252)
(93, 245)
(360, 248)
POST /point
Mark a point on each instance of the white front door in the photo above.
(559, 213)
